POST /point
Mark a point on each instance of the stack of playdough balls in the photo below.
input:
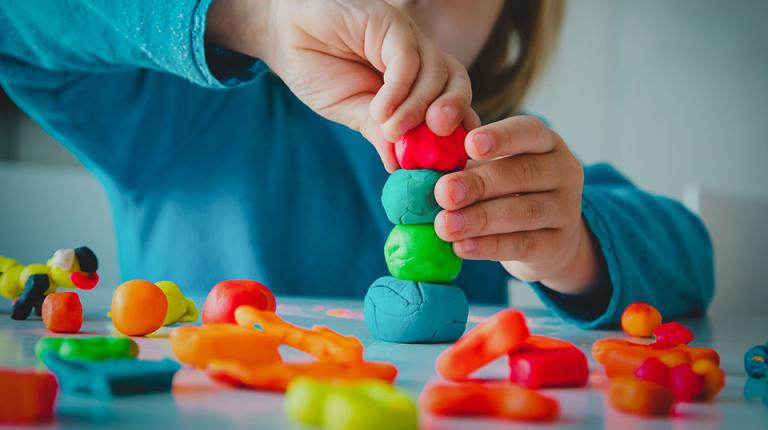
(417, 304)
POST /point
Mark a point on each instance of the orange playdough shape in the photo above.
(276, 377)
(500, 334)
(321, 342)
(505, 401)
(198, 346)
(639, 397)
(639, 319)
(63, 312)
(138, 308)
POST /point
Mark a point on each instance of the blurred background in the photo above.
(675, 94)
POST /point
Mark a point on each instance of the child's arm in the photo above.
(588, 240)
(360, 63)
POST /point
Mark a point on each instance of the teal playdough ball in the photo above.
(415, 312)
(414, 252)
(408, 196)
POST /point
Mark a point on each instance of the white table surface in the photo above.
(199, 403)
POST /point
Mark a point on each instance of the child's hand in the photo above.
(520, 204)
(362, 63)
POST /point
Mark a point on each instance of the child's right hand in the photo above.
(361, 63)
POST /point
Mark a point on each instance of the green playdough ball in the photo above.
(414, 252)
(408, 196)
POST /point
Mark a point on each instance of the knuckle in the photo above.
(526, 170)
(531, 213)
(526, 246)
(478, 220)
(533, 125)
(475, 184)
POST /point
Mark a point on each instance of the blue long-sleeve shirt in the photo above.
(214, 170)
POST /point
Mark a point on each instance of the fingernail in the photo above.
(454, 222)
(458, 192)
(483, 143)
(449, 112)
(468, 245)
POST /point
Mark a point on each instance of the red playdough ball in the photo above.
(226, 296)
(63, 312)
(419, 148)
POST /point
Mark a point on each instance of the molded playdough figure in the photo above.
(68, 268)
(180, 308)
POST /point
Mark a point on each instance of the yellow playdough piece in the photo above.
(180, 308)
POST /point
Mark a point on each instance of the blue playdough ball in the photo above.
(402, 311)
(408, 196)
(756, 361)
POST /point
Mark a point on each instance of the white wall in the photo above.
(671, 92)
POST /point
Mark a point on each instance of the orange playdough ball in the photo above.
(138, 308)
(639, 319)
(63, 312)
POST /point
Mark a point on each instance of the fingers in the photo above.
(429, 84)
(511, 136)
(502, 215)
(385, 149)
(400, 63)
(507, 176)
(451, 107)
(525, 246)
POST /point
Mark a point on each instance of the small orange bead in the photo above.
(639, 319)
(63, 312)
(138, 308)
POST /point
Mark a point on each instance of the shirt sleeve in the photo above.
(656, 252)
(45, 42)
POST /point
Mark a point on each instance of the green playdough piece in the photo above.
(88, 348)
(414, 252)
(349, 405)
(408, 196)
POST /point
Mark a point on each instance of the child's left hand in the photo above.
(520, 204)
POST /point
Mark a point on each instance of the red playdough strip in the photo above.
(498, 335)
(26, 397)
(548, 362)
(506, 401)
(276, 377)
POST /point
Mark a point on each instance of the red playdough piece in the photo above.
(226, 296)
(498, 335)
(547, 362)
(686, 384)
(674, 333)
(63, 312)
(420, 148)
(496, 401)
(653, 370)
(26, 397)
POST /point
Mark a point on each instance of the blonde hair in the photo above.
(516, 53)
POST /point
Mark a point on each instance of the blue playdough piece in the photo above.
(109, 378)
(408, 196)
(402, 311)
(756, 361)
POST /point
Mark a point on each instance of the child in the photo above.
(226, 136)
